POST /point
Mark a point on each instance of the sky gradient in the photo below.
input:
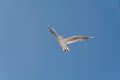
(28, 51)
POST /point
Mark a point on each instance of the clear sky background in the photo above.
(28, 51)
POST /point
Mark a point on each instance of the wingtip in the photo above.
(49, 27)
(91, 37)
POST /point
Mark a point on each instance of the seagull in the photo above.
(64, 41)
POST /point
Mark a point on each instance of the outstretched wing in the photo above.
(75, 39)
(53, 32)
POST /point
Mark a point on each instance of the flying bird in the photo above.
(64, 41)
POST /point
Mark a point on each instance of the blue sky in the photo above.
(29, 52)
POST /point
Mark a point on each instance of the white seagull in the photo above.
(64, 41)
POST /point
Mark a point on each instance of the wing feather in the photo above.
(75, 39)
(53, 32)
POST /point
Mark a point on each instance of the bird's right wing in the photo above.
(53, 32)
(75, 39)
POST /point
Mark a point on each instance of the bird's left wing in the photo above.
(53, 32)
(75, 39)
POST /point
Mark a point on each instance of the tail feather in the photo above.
(66, 50)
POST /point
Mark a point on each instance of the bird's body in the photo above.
(63, 44)
(64, 41)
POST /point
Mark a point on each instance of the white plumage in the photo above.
(64, 41)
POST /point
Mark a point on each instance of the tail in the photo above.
(66, 49)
